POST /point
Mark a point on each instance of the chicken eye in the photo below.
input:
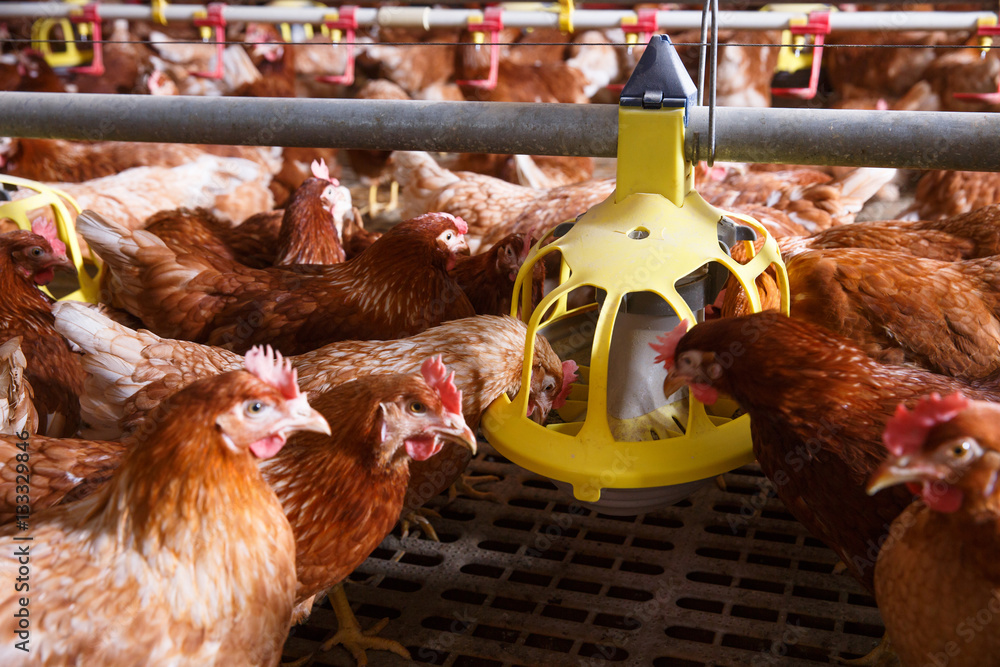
(448, 236)
(549, 386)
(254, 408)
(36, 252)
(418, 408)
(961, 449)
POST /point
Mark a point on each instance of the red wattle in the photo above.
(267, 447)
(421, 449)
(707, 394)
(948, 501)
(45, 276)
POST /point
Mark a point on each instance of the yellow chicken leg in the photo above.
(393, 196)
(419, 517)
(464, 485)
(352, 637)
(881, 656)
(372, 199)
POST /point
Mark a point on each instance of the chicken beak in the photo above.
(457, 431)
(673, 383)
(902, 470)
(300, 416)
(63, 262)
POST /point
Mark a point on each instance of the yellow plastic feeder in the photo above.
(653, 252)
(52, 198)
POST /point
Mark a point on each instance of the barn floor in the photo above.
(725, 577)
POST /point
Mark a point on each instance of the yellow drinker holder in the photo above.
(652, 252)
(71, 55)
(18, 211)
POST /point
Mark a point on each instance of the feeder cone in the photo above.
(652, 254)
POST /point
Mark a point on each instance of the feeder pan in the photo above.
(56, 201)
(654, 254)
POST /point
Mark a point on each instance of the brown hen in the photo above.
(488, 278)
(492, 207)
(937, 575)
(398, 287)
(54, 372)
(818, 405)
(130, 372)
(114, 574)
(305, 232)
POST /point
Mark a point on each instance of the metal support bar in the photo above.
(905, 139)
(583, 19)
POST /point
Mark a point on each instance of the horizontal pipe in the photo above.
(903, 139)
(474, 127)
(582, 18)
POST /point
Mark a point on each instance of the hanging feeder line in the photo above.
(582, 19)
(901, 139)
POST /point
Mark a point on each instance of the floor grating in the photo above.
(725, 577)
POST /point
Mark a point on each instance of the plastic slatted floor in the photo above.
(722, 578)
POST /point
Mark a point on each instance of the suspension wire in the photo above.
(85, 42)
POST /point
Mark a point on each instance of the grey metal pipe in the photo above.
(473, 127)
(583, 19)
(850, 137)
(906, 139)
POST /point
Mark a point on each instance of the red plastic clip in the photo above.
(637, 33)
(645, 25)
(214, 19)
(347, 22)
(492, 23)
(818, 25)
(987, 29)
(91, 14)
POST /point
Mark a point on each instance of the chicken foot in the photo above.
(419, 516)
(351, 636)
(465, 485)
(880, 656)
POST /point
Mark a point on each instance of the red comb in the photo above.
(437, 378)
(667, 345)
(461, 225)
(569, 369)
(907, 430)
(269, 367)
(527, 246)
(321, 171)
(47, 230)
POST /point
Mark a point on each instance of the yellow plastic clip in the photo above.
(631, 38)
(987, 27)
(205, 31)
(159, 8)
(478, 36)
(288, 31)
(57, 200)
(566, 9)
(336, 34)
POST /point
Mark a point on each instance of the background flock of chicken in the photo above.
(145, 437)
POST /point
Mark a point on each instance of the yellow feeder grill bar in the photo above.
(55, 200)
(650, 251)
